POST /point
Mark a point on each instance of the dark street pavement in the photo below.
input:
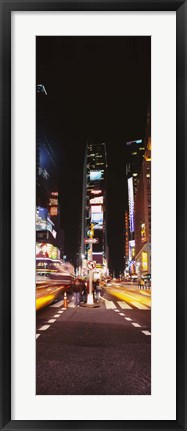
(98, 351)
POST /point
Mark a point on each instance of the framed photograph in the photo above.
(93, 329)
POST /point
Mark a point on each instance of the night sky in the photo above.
(98, 89)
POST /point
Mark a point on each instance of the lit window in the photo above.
(134, 153)
(148, 175)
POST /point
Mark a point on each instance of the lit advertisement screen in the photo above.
(98, 200)
(131, 204)
(43, 221)
(47, 250)
(95, 175)
(53, 211)
(95, 209)
(41, 218)
(96, 192)
(97, 218)
(144, 261)
(131, 248)
(53, 201)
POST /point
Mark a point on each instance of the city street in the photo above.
(96, 351)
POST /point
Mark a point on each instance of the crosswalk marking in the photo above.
(110, 305)
(138, 305)
(124, 305)
(57, 304)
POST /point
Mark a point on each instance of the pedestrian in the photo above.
(94, 291)
(84, 292)
(98, 290)
(77, 287)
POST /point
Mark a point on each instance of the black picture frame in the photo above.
(6, 7)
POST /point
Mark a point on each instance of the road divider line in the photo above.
(60, 312)
(51, 321)
(128, 318)
(146, 332)
(56, 315)
(116, 310)
(43, 328)
(121, 314)
(124, 305)
(136, 325)
(37, 335)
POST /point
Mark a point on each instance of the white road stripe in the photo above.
(110, 305)
(43, 328)
(124, 305)
(60, 312)
(138, 305)
(37, 335)
(51, 321)
(128, 318)
(146, 332)
(56, 315)
(64, 309)
(121, 314)
(136, 325)
(116, 310)
(57, 304)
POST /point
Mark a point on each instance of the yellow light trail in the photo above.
(130, 296)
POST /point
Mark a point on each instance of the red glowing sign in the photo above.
(96, 192)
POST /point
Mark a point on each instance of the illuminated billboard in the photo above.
(131, 249)
(144, 261)
(95, 175)
(143, 232)
(43, 221)
(47, 250)
(96, 209)
(53, 201)
(98, 200)
(41, 218)
(53, 211)
(131, 204)
(96, 192)
(97, 218)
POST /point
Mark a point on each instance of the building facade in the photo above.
(94, 211)
(134, 156)
(143, 210)
(49, 236)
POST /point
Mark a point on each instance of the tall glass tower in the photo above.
(94, 209)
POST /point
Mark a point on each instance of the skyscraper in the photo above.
(135, 153)
(94, 212)
(143, 209)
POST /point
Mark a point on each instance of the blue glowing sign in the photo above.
(95, 175)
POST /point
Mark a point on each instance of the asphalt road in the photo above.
(98, 351)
